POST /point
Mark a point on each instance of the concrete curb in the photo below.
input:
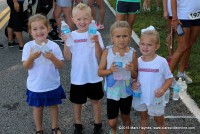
(186, 99)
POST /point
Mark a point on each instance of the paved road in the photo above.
(16, 116)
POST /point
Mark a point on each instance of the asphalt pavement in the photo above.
(16, 116)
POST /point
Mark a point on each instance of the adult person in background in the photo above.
(127, 10)
(167, 14)
(15, 23)
(101, 8)
(65, 7)
(147, 5)
(184, 12)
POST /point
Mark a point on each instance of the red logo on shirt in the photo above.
(80, 40)
(148, 70)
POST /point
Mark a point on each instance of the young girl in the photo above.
(117, 97)
(155, 78)
(42, 58)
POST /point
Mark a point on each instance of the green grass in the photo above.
(156, 19)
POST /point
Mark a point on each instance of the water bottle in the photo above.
(66, 30)
(127, 74)
(183, 91)
(158, 105)
(128, 86)
(118, 62)
(137, 96)
(92, 30)
(44, 48)
(167, 93)
(176, 89)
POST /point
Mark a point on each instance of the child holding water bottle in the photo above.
(85, 82)
(42, 58)
(154, 78)
(118, 92)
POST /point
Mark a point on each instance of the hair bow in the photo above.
(147, 29)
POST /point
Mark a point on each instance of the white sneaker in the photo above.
(186, 78)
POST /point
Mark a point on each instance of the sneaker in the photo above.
(21, 49)
(100, 27)
(78, 129)
(1, 46)
(13, 44)
(185, 77)
(97, 129)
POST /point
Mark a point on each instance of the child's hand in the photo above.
(63, 37)
(135, 84)
(49, 55)
(159, 92)
(95, 38)
(113, 68)
(129, 67)
(35, 55)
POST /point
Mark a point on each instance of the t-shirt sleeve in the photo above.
(58, 53)
(166, 70)
(26, 52)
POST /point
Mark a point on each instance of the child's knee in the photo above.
(160, 121)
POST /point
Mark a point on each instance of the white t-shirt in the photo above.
(43, 76)
(84, 66)
(185, 7)
(152, 75)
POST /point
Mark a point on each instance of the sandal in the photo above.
(55, 130)
(39, 132)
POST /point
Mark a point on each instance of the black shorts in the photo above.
(113, 107)
(16, 20)
(128, 7)
(190, 23)
(80, 93)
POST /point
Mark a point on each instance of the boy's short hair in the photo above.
(82, 6)
(38, 17)
(120, 24)
(152, 33)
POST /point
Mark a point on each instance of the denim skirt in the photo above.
(48, 98)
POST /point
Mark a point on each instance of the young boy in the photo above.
(85, 82)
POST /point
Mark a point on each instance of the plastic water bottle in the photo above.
(44, 48)
(92, 30)
(137, 95)
(183, 91)
(126, 60)
(167, 95)
(66, 30)
(158, 104)
(118, 62)
(176, 89)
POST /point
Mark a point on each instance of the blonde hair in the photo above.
(120, 24)
(81, 6)
(152, 33)
(38, 17)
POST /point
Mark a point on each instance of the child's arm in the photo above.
(134, 70)
(98, 49)
(102, 71)
(28, 64)
(58, 63)
(66, 51)
(160, 92)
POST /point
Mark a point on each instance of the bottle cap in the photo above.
(93, 21)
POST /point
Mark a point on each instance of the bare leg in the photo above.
(97, 110)
(144, 119)
(77, 113)
(68, 16)
(38, 115)
(101, 7)
(113, 124)
(57, 12)
(19, 38)
(131, 19)
(126, 123)
(90, 3)
(160, 121)
(10, 34)
(120, 17)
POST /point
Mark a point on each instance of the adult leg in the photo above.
(101, 7)
(68, 16)
(77, 113)
(120, 17)
(180, 50)
(126, 123)
(144, 119)
(113, 125)
(38, 115)
(160, 121)
(19, 38)
(90, 3)
(194, 33)
(57, 12)
(131, 19)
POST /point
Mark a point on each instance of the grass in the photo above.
(156, 19)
